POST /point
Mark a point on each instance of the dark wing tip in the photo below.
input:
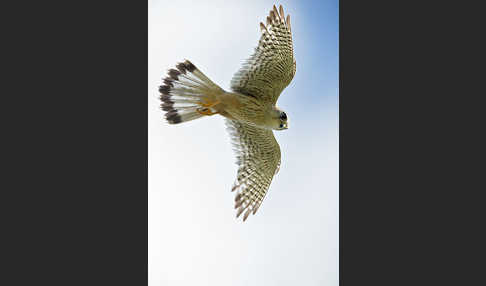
(167, 106)
(164, 89)
(181, 67)
(189, 66)
(173, 117)
(174, 74)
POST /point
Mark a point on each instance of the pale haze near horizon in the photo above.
(194, 237)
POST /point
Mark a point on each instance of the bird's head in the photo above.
(278, 119)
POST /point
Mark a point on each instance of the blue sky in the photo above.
(194, 237)
(316, 47)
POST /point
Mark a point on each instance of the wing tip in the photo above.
(247, 213)
(277, 16)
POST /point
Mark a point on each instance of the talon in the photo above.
(205, 111)
(209, 104)
(205, 104)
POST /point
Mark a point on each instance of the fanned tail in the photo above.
(187, 94)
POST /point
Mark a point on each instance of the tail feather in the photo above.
(184, 92)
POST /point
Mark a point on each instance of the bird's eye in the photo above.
(283, 116)
(281, 125)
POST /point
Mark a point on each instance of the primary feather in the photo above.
(272, 65)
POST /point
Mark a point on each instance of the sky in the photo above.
(194, 236)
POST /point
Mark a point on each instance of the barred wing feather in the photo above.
(258, 159)
(271, 68)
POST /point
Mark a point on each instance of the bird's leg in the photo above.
(208, 105)
(205, 110)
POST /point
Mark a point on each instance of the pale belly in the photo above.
(241, 108)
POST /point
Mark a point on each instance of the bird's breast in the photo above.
(244, 108)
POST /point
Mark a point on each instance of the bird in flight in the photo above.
(249, 108)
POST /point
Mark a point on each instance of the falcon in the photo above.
(249, 108)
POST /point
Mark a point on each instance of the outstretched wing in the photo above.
(258, 159)
(272, 66)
